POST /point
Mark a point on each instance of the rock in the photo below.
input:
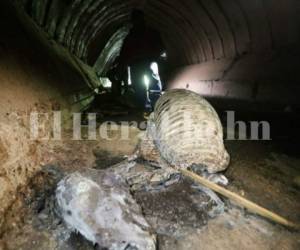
(98, 204)
(177, 210)
(218, 207)
(147, 177)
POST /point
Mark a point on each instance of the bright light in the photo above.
(164, 55)
(106, 83)
(147, 81)
(129, 76)
(154, 68)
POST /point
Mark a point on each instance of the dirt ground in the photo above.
(265, 173)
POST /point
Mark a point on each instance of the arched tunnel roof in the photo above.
(194, 31)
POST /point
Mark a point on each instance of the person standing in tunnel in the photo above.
(141, 47)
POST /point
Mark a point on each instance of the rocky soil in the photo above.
(264, 173)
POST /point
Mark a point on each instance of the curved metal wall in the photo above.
(240, 42)
(194, 31)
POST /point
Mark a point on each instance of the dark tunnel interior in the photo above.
(115, 59)
(243, 55)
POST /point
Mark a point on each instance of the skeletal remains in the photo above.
(186, 131)
(183, 131)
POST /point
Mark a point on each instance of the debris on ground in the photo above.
(98, 204)
(255, 167)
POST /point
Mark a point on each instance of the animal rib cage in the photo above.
(187, 131)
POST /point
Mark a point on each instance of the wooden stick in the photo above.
(251, 206)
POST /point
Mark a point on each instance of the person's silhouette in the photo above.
(141, 47)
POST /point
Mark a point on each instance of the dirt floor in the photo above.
(264, 172)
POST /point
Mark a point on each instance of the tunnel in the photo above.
(56, 66)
